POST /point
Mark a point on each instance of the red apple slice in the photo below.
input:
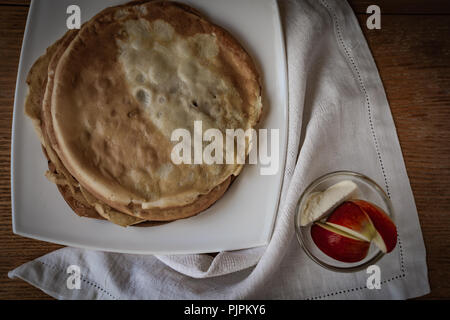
(338, 244)
(350, 218)
(386, 236)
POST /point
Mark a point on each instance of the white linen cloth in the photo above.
(339, 119)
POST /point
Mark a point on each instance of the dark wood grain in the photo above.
(14, 250)
(404, 7)
(15, 2)
(412, 52)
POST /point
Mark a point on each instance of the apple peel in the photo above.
(338, 244)
(386, 236)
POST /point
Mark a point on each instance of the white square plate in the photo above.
(243, 218)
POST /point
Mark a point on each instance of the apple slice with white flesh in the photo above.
(337, 244)
(350, 218)
(386, 235)
(320, 204)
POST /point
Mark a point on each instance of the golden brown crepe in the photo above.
(81, 202)
(114, 92)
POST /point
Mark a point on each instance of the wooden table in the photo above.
(412, 51)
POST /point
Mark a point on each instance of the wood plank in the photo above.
(15, 250)
(15, 3)
(403, 6)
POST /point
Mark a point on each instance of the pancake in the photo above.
(68, 187)
(52, 72)
(202, 203)
(131, 77)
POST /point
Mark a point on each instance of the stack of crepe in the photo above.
(106, 99)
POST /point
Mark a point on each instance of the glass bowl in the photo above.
(368, 191)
